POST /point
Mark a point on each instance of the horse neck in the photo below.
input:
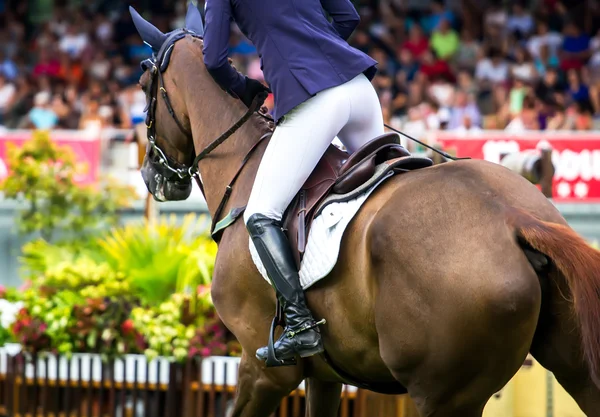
(209, 120)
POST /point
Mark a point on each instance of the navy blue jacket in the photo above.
(301, 52)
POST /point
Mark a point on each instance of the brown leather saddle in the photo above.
(341, 173)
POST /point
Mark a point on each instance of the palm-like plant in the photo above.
(163, 257)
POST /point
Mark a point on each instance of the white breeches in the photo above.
(351, 112)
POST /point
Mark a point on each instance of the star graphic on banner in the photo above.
(581, 189)
(563, 189)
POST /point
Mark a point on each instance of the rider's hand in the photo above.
(253, 88)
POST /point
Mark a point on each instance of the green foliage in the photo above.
(43, 175)
(142, 288)
(39, 256)
(163, 257)
(88, 278)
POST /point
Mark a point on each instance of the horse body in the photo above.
(435, 289)
(427, 292)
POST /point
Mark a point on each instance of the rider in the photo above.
(321, 86)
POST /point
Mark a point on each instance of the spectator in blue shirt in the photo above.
(438, 13)
(42, 116)
(575, 48)
(8, 68)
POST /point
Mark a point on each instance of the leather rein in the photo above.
(173, 170)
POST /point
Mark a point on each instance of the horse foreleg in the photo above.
(323, 398)
(260, 391)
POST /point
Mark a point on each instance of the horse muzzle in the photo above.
(162, 188)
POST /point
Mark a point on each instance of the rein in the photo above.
(157, 65)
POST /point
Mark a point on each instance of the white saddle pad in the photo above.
(324, 239)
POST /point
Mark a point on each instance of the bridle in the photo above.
(166, 166)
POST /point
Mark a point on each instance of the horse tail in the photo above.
(579, 263)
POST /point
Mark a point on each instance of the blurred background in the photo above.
(90, 266)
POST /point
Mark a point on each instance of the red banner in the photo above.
(85, 145)
(576, 157)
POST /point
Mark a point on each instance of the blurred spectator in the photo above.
(8, 68)
(437, 13)
(575, 48)
(444, 41)
(527, 119)
(467, 125)
(517, 97)
(544, 60)
(550, 89)
(493, 69)
(520, 22)
(433, 68)
(42, 116)
(468, 52)
(415, 126)
(577, 90)
(7, 94)
(464, 107)
(80, 61)
(417, 44)
(408, 67)
(544, 38)
(74, 41)
(523, 68)
(580, 116)
(441, 90)
(46, 65)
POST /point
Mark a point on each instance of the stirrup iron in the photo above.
(272, 359)
(278, 321)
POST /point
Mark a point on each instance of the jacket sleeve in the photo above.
(344, 15)
(218, 18)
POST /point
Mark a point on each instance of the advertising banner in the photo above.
(576, 157)
(85, 145)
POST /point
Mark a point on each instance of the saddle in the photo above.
(339, 173)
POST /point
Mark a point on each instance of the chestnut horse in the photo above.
(447, 277)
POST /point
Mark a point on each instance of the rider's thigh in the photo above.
(294, 150)
(366, 118)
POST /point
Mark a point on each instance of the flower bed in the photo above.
(140, 289)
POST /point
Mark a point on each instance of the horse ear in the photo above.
(193, 20)
(150, 34)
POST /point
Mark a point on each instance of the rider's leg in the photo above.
(293, 152)
(366, 118)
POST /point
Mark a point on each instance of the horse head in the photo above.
(168, 166)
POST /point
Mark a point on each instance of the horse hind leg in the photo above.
(466, 351)
(558, 348)
(260, 391)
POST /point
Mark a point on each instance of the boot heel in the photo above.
(314, 351)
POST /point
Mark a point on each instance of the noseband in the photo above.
(165, 165)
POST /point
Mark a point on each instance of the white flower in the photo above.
(8, 312)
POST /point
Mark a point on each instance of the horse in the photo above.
(447, 277)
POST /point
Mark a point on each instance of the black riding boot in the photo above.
(300, 336)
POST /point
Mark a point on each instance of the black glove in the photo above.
(253, 88)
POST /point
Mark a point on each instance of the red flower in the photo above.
(127, 327)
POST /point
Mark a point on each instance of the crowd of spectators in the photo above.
(462, 65)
